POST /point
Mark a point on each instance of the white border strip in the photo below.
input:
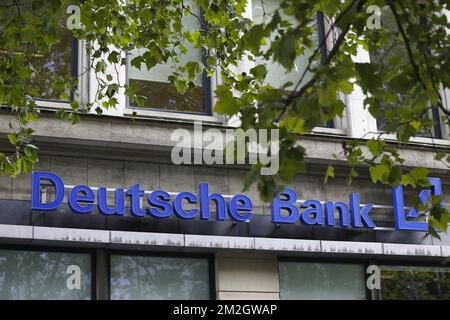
(191, 241)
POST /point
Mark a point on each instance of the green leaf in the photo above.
(351, 175)
(226, 103)
(375, 147)
(440, 155)
(329, 173)
(379, 173)
(294, 124)
(286, 51)
(13, 139)
(259, 72)
(100, 67)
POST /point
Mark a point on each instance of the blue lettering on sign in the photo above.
(286, 208)
(81, 199)
(399, 206)
(315, 213)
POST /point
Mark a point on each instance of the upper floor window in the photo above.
(53, 68)
(262, 13)
(277, 76)
(393, 105)
(153, 85)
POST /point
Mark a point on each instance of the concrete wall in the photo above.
(115, 153)
(248, 277)
(151, 175)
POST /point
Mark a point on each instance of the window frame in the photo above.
(163, 254)
(75, 64)
(440, 131)
(337, 126)
(208, 102)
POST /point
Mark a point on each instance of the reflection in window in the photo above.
(384, 54)
(158, 278)
(52, 71)
(153, 85)
(262, 12)
(321, 281)
(38, 275)
(415, 283)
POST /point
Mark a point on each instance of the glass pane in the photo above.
(158, 278)
(262, 11)
(415, 283)
(51, 71)
(382, 55)
(153, 85)
(321, 281)
(26, 275)
(276, 74)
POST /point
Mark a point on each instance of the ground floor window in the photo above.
(153, 277)
(415, 283)
(319, 281)
(43, 275)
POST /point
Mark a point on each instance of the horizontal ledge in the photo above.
(149, 239)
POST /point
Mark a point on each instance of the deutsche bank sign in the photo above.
(285, 208)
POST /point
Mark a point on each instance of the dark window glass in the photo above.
(159, 278)
(415, 283)
(54, 69)
(39, 275)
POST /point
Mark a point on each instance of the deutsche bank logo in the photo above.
(285, 208)
(400, 216)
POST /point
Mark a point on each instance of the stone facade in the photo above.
(113, 152)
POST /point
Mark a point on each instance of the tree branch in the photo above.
(330, 56)
(406, 42)
(322, 42)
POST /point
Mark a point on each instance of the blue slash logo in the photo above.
(401, 222)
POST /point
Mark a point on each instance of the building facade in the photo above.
(62, 254)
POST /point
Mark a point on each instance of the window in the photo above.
(159, 278)
(54, 71)
(262, 12)
(318, 281)
(415, 283)
(154, 87)
(41, 275)
(381, 55)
